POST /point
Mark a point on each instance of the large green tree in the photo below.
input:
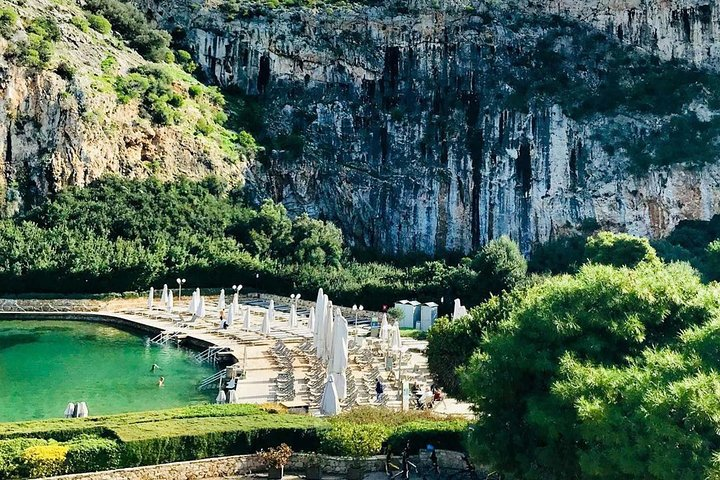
(531, 379)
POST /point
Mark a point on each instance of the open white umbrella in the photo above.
(231, 397)
(231, 315)
(329, 403)
(163, 297)
(200, 312)
(169, 302)
(221, 397)
(221, 301)
(293, 316)
(69, 410)
(384, 328)
(266, 323)
(311, 319)
(82, 410)
(246, 319)
(151, 298)
(338, 362)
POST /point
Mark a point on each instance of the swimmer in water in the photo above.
(161, 382)
(154, 367)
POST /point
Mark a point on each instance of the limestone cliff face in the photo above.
(56, 132)
(390, 124)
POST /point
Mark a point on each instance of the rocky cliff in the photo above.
(63, 124)
(419, 128)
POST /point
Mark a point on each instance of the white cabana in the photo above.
(246, 319)
(329, 403)
(311, 319)
(82, 410)
(231, 397)
(164, 296)
(221, 397)
(384, 328)
(293, 316)
(169, 302)
(151, 298)
(230, 316)
(338, 362)
(221, 301)
(69, 410)
(266, 323)
(200, 312)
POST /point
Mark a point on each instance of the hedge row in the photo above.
(48, 447)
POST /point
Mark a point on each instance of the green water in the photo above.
(46, 364)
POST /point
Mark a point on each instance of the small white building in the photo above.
(411, 313)
(428, 315)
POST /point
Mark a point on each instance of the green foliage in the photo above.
(354, 440)
(184, 59)
(451, 343)
(500, 266)
(100, 24)
(560, 255)
(619, 249)
(153, 44)
(81, 23)
(109, 65)
(92, 454)
(448, 435)
(8, 22)
(540, 420)
(37, 51)
(11, 451)
(154, 86)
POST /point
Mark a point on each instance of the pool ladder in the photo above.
(212, 381)
(164, 337)
(212, 354)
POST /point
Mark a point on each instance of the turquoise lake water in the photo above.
(46, 364)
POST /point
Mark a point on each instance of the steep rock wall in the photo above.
(405, 144)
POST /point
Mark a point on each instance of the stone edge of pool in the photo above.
(134, 323)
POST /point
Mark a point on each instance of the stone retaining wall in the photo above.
(248, 464)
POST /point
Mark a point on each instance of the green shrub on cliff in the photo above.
(8, 22)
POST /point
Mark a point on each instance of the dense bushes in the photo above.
(210, 430)
(153, 44)
(8, 22)
(118, 235)
(601, 374)
(38, 49)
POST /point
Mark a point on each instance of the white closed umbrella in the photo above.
(82, 410)
(235, 303)
(266, 323)
(328, 337)
(319, 309)
(338, 362)
(231, 397)
(163, 297)
(230, 316)
(271, 311)
(293, 316)
(151, 298)
(329, 402)
(246, 319)
(395, 340)
(221, 301)
(459, 310)
(169, 301)
(320, 332)
(69, 410)
(192, 306)
(200, 312)
(384, 328)
(221, 397)
(311, 319)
